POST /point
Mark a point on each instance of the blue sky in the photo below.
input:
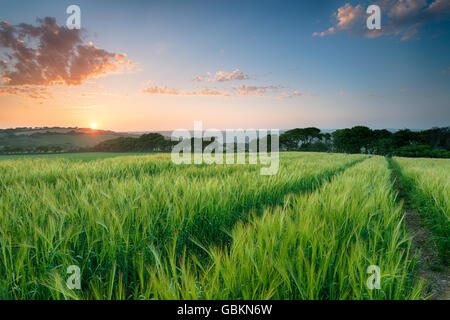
(398, 79)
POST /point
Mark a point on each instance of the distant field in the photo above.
(83, 156)
(67, 139)
(141, 227)
(79, 140)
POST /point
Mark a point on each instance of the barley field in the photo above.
(141, 227)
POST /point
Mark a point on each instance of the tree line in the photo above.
(434, 142)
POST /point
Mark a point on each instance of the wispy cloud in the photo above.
(257, 91)
(270, 91)
(283, 95)
(165, 91)
(26, 92)
(222, 76)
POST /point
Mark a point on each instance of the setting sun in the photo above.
(93, 125)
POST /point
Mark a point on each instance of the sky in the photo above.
(161, 65)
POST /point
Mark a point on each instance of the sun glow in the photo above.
(93, 125)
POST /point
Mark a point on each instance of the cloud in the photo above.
(223, 76)
(50, 55)
(164, 90)
(268, 91)
(286, 95)
(404, 90)
(297, 93)
(257, 91)
(446, 71)
(347, 16)
(330, 30)
(236, 91)
(26, 92)
(402, 18)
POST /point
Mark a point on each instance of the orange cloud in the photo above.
(48, 55)
(27, 92)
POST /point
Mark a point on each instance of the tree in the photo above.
(404, 137)
(436, 137)
(381, 142)
(355, 140)
(299, 138)
(151, 142)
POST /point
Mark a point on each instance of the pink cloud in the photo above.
(330, 30)
(446, 71)
(405, 9)
(401, 18)
(347, 16)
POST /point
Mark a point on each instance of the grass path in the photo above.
(429, 266)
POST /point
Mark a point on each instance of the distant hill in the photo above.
(53, 138)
